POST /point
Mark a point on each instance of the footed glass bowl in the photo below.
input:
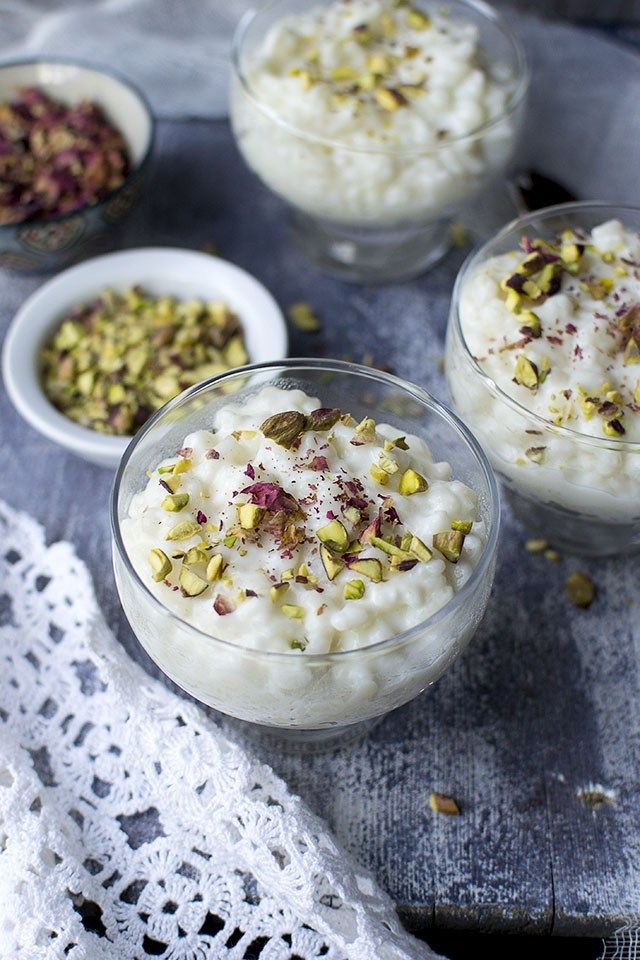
(365, 208)
(308, 698)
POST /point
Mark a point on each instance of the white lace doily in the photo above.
(130, 826)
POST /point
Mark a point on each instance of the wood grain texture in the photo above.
(544, 701)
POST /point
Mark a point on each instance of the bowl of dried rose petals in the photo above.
(74, 144)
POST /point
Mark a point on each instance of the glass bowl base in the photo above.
(370, 255)
(572, 532)
(293, 740)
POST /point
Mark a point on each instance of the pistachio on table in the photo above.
(115, 360)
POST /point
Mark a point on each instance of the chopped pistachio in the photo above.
(613, 428)
(194, 555)
(160, 564)
(450, 544)
(292, 611)
(353, 590)
(536, 546)
(439, 803)
(183, 466)
(175, 502)
(230, 540)
(399, 442)
(405, 542)
(303, 317)
(526, 372)
(531, 325)
(168, 468)
(367, 426)
(250, 516)
(378, 474)
(412, 482)
(284, 428)
(463, 525)
(513, 301)
(191, 585)
(580, 589)
(389, 99)
(170, 483)
(343, 74)
(324, 418)
(420, 549)
(379, 63)
(389, 548)
(352, 514)
(388, 464)
(277, 591)
(371, 569)
(636, 393)
(334, 535)
(536, 454)
(288, 574)
(215, 567)
(631, 352)
(552, 555)
(332, 564)
(417, 20)
(183, 530)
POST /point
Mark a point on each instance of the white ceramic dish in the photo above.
(185, 274)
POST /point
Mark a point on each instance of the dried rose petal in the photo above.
(222, 606)
(319, 463)
(272, 497)
(201, 517)
(212, 455)
(250, 472)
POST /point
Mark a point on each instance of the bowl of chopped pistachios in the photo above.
(97, 350)
(74, 146)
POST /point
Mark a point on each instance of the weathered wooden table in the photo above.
(543, 704)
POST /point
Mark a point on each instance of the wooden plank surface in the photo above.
(545, 700)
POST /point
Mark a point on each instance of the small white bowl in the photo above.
(184, 274)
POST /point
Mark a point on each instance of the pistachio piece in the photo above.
(631, 352)
(284, 428)
(420, 549)
(399, 442)
(552, 555)
(580, 589)
(167, 468)
(390, 548)
(513, 301)
(526, 372)
(277, 591)
(379, 63)
(303, 317)
(449, 544)
(292, 611)
(550, 279)
(343, 74)
(378, 474)
(389, 99)
(288, 574)
(160, 564)
(463, 525)
(388, 464)
(324, 418)
(334, 535)
(536, 454)
(352, 514)
(332, 564)
(191, 585)
(439, 803)
(367, 426)
(531, 326)
(371, 569)
(417, 20)
(183, 530)
(353, 590)
(536, 546)
(412, 482)
(215, 568)
(194, 555)
(230, 540)
(613, 428)
(250, 516)
(175, 502)
(183, 466)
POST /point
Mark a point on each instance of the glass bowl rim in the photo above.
(134, 173)
(481, 253)
(339, 367)
(490, 15)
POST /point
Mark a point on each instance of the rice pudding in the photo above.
(294, 528)
(554, 326)
(373, 113)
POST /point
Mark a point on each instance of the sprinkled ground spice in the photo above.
(56, 158)
(114, 361)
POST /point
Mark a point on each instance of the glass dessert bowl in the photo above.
(376, 122)
(542, 357)
(292, 562)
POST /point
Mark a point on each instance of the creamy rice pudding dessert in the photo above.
(361, 111)
(292, 527)
(555, 326)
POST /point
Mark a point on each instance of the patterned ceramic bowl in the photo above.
(42, 245)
